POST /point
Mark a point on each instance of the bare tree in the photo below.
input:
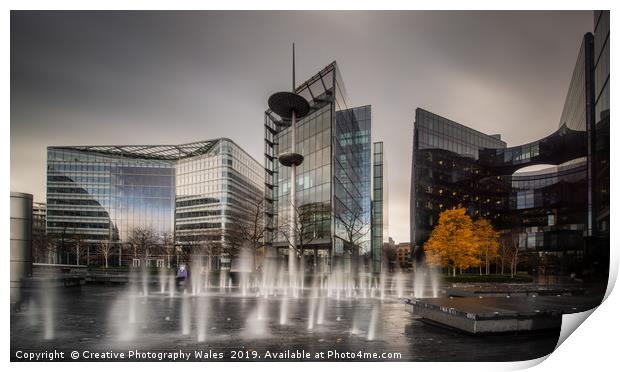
(305, 230)
(79, 247)
(104, 248)
(167, 246)
(355, 230)
(508, 252)
(182, 252)
(249, 229)
(206, 245)
(186, 250)
(59, 245)
(40, 245)
(514, 261)
(51, 249)
(143, 242)
(211, 249)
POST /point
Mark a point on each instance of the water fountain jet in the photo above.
(185, 314)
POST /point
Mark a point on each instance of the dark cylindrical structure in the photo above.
(291, 158)
(21, 243)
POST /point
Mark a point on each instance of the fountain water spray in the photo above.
(48, 303)
(201, 318)
(171, 285)
(434, 282)
(223, 277)
(373, 325)
(162, 280)
(419, 280)
(399, 284)
(320, 319)
(196, 274)
(312, 305)
(283, 310)
(245, 269)
(256, 322)
(185, 314)
(132, 306)
(145, 280)
(126, 313)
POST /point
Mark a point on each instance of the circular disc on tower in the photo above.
(291, 158)
(285, 103)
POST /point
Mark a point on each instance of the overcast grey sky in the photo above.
(175, 77)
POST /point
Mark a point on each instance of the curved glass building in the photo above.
(189, 192)
(559, 215)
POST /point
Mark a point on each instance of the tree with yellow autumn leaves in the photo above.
(457, 242)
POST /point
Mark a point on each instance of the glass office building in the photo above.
(601, 110)
(556, 214)
(190, 192)
(333, 188)
(601, 64)
(444, 158)
(479, 172)
(380, 224)
(352, 185)
(39, 234)
(598, 249)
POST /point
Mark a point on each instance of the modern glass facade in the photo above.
(444, 153)
(39, 234)
(555, 213)
(601, 63)
(314, 186)
(352, 184)
(102, 197)
(541, 208)
(213, 190)
(379, 206)
(598, 250)
(39, 211)
(190, 192)
(333, 188)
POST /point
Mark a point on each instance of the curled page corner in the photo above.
(524, 364)
(570, 322)
(613, 273)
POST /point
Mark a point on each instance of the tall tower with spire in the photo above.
(291, 106)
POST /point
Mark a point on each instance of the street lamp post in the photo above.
(291, 106)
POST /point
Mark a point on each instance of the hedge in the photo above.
(492, 278)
